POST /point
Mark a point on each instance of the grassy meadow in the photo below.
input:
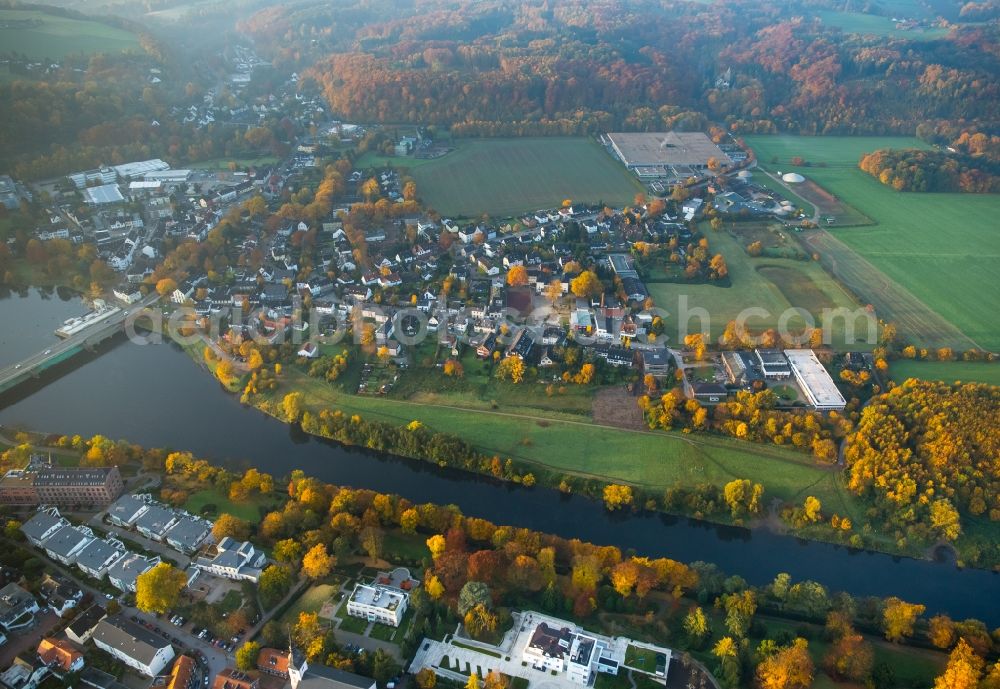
(773, 284)
(941, 248)
(503, 177)
(874, 25)
(946, 371)
(57, 37)
(562, 445)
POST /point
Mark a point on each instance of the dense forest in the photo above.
(575, 67)
(924, 451)
(499, 67)
(916, 170)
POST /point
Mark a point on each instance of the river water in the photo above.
(156, 396)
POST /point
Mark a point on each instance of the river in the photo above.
(156, 396)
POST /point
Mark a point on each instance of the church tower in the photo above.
(297, 665)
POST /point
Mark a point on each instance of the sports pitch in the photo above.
(940, 248)
(504, 177)
(55, 37)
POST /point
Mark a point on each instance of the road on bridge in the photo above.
(13, 374)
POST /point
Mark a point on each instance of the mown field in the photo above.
(874, 25)
(947, 371)
(940, 248)
(503, 177)
(57, 37)
(773, 284)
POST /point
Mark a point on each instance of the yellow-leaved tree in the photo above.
(158, 589)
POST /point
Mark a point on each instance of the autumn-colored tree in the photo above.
(899, 617)
(435, 589)
(480, 621)
(309, 636)
(229, 525)
(287, 550)
(317, 563)
(511, 368)
(727, 651)
(370, 189)
(158, 589)
(850, 658)
(942, 631)
(454, 368)
(740, 608)
(696, 624)
(409, 520)
(436, 544)
(517, 276)
(292, 405)
(617, 496)
(586, 284)
(945, 519)
(246, 656)
(789, 668)
(811, 508)
(166, 286)
(426, 678)
(963, 670)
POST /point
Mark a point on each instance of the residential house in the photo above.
(123, 573)
(657, 362)
(271, 661)
(66, 543)
(98, 555)
(188, 533)
(60, 593)
(42, 525)
(83, 625)
(183, 674)
(230, 678)
(60, 656)
(24, 673)
(234, 560)
(17, 608)
(155, 522)
(133, 645)
(127, 509)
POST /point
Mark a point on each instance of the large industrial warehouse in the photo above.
(655, 154)
(814, 380)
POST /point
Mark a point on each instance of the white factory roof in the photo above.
(814, 379)
(106, 193)
(139, 168)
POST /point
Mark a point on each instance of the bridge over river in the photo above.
(82, 339)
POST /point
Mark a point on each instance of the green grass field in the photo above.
(874, 25)
(504, 177)
(941, 248)
(947, 371)
(57, 37)
(249, 510)
(310, 601)
(772, 284)
(652, 460)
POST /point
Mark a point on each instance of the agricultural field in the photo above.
(49, 36)
(930, 250)
(772, 284)
(947, 371)
(504, 177)
(874, 25)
